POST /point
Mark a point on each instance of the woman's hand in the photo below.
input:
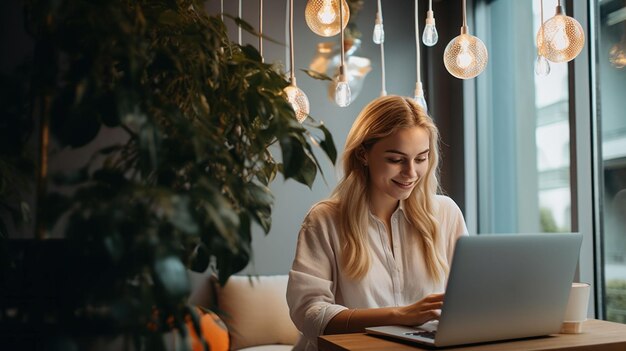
(424, 310)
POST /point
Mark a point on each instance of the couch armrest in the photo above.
(255, 310)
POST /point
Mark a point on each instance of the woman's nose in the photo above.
(410, 169)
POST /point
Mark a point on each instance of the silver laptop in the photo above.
(500, 287)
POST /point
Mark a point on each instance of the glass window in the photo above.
(523, 127)
(611, 73)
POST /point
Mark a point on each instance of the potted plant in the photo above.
(199, 117)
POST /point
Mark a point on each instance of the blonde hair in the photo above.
(379, 119)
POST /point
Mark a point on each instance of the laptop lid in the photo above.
(507, 286)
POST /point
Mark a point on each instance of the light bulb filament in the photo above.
(560, 41)
(465, 58)
(343, 95)
(327, 14)
(379, 34)
(430, 36)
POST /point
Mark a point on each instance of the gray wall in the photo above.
(273, 253)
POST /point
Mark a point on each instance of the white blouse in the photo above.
(318, 289)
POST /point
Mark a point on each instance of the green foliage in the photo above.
(616, 300)
(199, 113)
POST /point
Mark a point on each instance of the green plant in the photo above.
(616, 300)
(199, 116)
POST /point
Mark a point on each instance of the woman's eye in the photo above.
(420, 160)
(394, 160)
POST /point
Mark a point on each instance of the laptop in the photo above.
(500, 287)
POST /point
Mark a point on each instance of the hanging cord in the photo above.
(417, 44)
(382, 64)
(261, 30)
(222, 10)
(292, 75)
(239, 27)
(543, 33)
(341, 68)
(430, 5)
(382, 53)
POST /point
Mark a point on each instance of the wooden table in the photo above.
(597, 335)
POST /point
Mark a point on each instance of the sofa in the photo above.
(253, 308)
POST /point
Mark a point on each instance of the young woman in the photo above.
(377, 252)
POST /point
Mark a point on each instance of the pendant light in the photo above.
(430, 36)
(617, 53)
(323, 16)
(419, 92)
(296, 97)
(465, 56)
(343, 96)
(379, 38)
(542, 65)
(564, 37)
(379, 32)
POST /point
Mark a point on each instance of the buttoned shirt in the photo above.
(319, 289)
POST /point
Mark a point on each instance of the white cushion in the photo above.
(269, 348)
(256, 312)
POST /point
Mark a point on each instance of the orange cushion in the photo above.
(214, 331)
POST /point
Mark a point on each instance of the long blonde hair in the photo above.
(379, 119)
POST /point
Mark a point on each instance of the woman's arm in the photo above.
(356, 320)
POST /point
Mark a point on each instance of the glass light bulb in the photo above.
(343, 96)
(299, 102)
(322, 16)
(542, 66)
(430, 36)
(418, 96)
(379, 33)
(465, 56)
(464, 59)
(617, 56)
(559, 40)
(421, 101)
(327, 14)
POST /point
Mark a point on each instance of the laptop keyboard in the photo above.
(423, 334)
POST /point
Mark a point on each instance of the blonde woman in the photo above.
(377, 252)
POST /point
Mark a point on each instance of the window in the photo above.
(523, 127)
(611, 78)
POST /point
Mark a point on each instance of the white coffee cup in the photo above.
(576, 311)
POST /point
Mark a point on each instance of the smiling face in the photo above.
(395, 164)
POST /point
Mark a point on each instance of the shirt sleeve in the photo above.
(312, 278)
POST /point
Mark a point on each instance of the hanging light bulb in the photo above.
(379, 33)
(322, 16)
(298, 100)
(562, 37)
(343, 95)
(295, 96)
(430, 36)
(617, 54)
(327, 14)
(419, 96)
(542, 65)
(465, 56)
(381, 41)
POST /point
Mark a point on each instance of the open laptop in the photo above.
(500, 287)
